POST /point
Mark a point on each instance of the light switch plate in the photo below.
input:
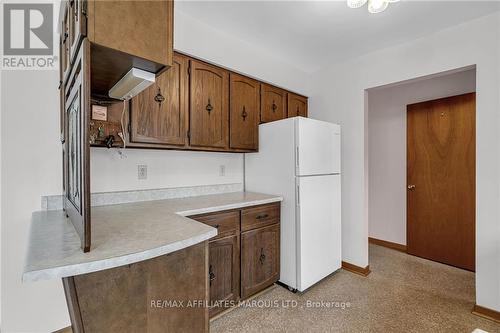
(142, 172)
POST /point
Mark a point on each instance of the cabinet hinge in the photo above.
(189, 70)
(189, 134)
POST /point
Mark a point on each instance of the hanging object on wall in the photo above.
(374, 6)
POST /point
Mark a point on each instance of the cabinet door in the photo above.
(143, 29)
(78, 27)
(159, 114)
(244, 112)
(297, 105)
(224, 273)
(209, 106)
(272, 103)
(260, 259)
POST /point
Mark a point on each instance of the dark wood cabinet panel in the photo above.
(160, 113)
(260, 216)
(209, 105)
(260, 259)
(273, 103)
(297, 105)
(226, 223)
(244, 112)
(143, 29)
(123, 299)
(224, 273)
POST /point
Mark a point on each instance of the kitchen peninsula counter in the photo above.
(124, 234)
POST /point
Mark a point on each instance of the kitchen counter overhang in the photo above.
(125, 234)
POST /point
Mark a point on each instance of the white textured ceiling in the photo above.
(314, 34)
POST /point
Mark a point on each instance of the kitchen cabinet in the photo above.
(223, 273)
(297, 105)
(260, 258)
(244, 112)
(242, 263)
(209, 106)
(159, 114)
(135, 297)
(272, 103)
(143, 29)
(76, 150)
(224, 259)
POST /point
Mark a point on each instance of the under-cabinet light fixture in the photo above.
(132, 83)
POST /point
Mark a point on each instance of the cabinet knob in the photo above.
(262, 257)
(244, 113)
(209, 107)
(274, 107)
(211, 274)
(159, 97)
(411, 187)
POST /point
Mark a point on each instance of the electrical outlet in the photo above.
(142, 172)
(222, 170)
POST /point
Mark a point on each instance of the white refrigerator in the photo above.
(299, 159)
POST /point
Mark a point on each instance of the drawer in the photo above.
(260, 216)
(226, 223)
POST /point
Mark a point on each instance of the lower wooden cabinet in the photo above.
(260, 259)
(242, 264)
(224, 273)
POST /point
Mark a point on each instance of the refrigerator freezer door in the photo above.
(318, 147)
(319, 228)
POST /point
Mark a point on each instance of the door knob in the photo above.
(411, 187)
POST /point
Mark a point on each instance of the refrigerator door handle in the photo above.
(298, 195)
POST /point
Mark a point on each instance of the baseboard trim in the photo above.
(390, 245)
(356, 269)
(486, 313)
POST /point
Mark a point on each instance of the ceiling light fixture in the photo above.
(374, 6)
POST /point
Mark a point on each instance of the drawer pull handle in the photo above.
(262, 257)
(211, 274)
(216, 226)
(244, 113)
(262, 216)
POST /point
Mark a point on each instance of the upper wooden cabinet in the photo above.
(143, 29)
(297, 105)
(272, 103)
(244, 112)
(159, 115)
(209, 105)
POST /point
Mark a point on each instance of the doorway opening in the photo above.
(421, 166)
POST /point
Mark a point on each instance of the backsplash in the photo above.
(54, 202)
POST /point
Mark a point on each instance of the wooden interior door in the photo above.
(209, 105)
(224, 273)
(441, 157)
(244, 112)
(297, 105)
(159, 114)
(272, 103)
(260, 259)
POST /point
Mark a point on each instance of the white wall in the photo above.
(111, 172)
(387, 147)
(31, 164)
(339, 96)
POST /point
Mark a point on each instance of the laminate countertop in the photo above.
(125, 233)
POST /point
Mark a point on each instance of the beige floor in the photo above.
(402, 294)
